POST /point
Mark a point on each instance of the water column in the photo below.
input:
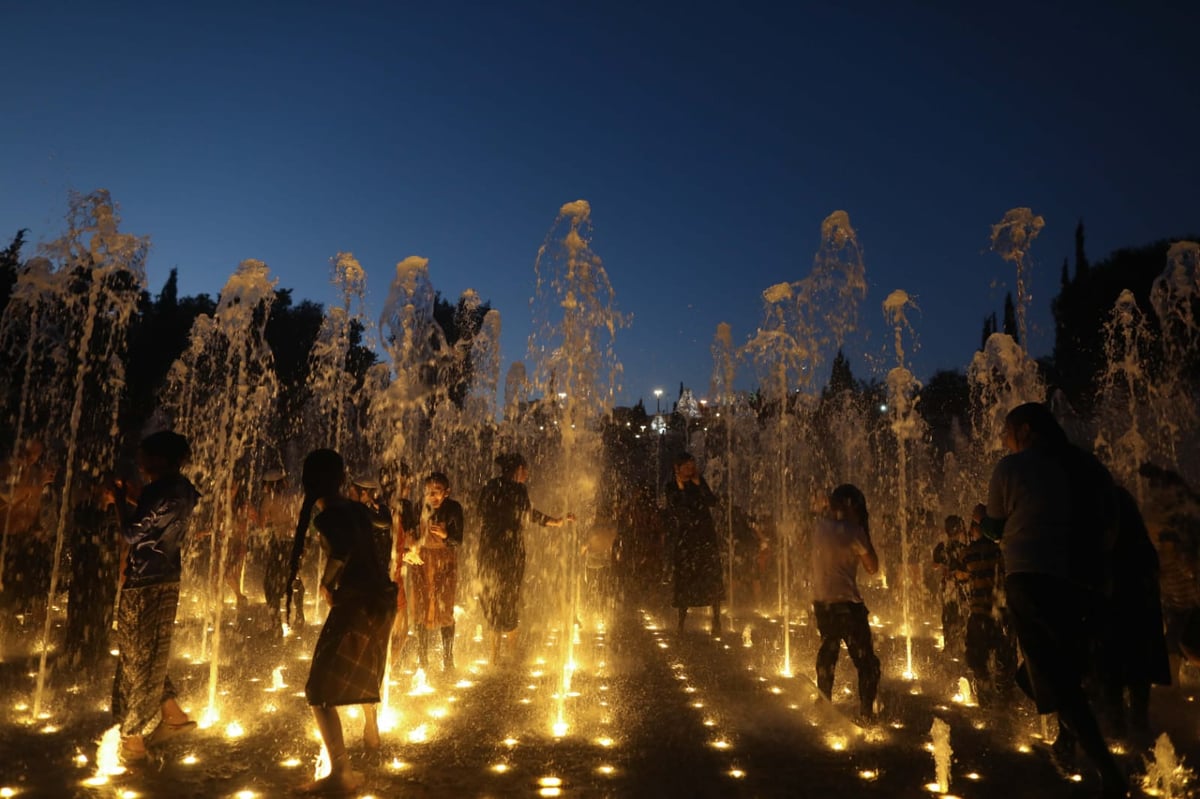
(1174, 295)
(723, 396)
(801, 321)
(330, 384)
(223, 392)
(1126, 392)
(906, 426)
(104, 275)
(416, 346)
(23, 319)
(575, 321)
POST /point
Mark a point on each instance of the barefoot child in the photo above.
(351, 650)
(150, 595)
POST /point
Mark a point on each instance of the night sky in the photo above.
(710, 140)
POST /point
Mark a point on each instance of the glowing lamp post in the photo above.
(659, 426)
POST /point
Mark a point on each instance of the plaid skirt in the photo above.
(145, 625)
(351, 654)
(435, 584)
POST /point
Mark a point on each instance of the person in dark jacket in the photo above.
(504, 508)
(1054, 507)
(699, 580)
(154, 533)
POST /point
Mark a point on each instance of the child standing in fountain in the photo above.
(150, 595)
(841, 541)
(503, 508)
(438, 536)
(699, 580)
(351, 650)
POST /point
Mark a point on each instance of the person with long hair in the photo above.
(841, 542)
(351, 651)
(504, 507)
(1053, 508)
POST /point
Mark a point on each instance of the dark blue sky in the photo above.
(710, 141)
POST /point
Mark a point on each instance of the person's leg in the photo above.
(978, 650)
(371, 726)
(682, 619)
(422, 646)
(862, 653)
(1050, 622)
(827, 652)
(448, 648)
(341, 776)
(716, 618)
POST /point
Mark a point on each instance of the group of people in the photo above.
(364, 550)
(1058, 564)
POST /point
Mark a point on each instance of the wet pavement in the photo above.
(647, 712)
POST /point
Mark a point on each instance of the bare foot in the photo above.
(337, 783)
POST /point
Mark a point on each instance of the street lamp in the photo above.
(659, 426)
(658, 392)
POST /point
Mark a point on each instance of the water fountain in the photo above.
(907, 427)
(575, 322)
(222, 394)
(802, 320)
(101, 272)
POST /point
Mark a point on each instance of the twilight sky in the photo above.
(711, 139)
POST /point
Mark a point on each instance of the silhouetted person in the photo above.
(351, 651)
(504, 509)
(695, 547)
(841, 542)
(1055, 506)
(155, 533)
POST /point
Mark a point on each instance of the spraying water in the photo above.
(105, 272)
(801, 321)
(1166, 775)
(939, 735)
(223, 391)
(575, 322)
(906, 426)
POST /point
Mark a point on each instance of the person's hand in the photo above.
(570, 517)
(438, 529)
(412, 558)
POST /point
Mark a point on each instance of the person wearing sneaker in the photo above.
(154, 532)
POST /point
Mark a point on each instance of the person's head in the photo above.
(513, 466)
(437, 488)
(955, 528)
(1032, 425)
(163, 453)
(324, 473)
(848, 502)
(365, 488)
(685, 466)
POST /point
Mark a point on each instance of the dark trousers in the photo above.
(987, 638)
(839, 622)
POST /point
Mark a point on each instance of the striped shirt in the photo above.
(982, 561)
